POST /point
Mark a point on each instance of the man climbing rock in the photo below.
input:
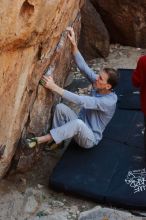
(96, 109)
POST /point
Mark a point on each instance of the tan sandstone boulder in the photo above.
(32, 38)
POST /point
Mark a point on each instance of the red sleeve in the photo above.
(136, 76)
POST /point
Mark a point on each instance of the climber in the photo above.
(96, 112)
(139, 80)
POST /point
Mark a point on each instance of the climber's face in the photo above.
(102, 81)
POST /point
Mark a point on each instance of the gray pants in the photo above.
(67, 125)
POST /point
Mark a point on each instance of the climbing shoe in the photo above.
(31, 142)
(53, 146)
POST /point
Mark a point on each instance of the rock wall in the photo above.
(32, 38)
(125, 20)
(94, 38)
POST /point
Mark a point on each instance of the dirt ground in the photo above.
(27, 196)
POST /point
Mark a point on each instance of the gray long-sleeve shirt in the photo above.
(97, 110)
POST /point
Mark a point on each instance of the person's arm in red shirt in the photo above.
(136, 76)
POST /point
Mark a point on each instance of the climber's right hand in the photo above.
(71, 35)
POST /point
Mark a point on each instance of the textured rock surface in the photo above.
(32, 38)
(94, 40)
(107, 214)
(125, 20)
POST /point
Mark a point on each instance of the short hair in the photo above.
(113, 76)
